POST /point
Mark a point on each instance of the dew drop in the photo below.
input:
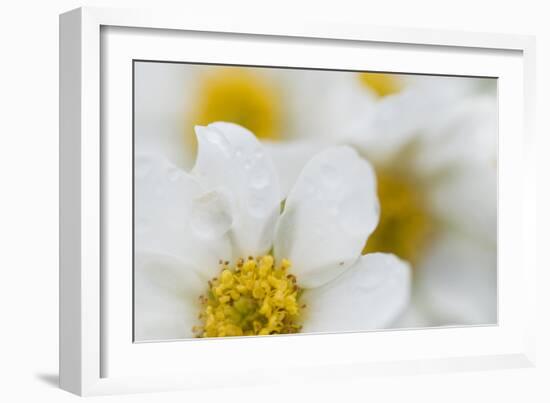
(217, 139)
(259, 178)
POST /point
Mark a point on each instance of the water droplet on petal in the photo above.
(259, 178)
(217, 139)
(211, 215)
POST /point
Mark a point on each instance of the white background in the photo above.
(29, 209)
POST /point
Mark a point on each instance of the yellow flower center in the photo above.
(256, 297)
(405, 226)
(382, 84)
(239, 96)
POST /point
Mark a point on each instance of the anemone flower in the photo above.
(171, 99)
(218, 254)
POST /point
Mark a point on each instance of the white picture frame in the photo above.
(96, 354)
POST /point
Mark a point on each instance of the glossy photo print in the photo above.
(274, 201)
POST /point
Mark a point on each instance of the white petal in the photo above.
(163, 94)
(466, 199)
(370, 295)
(231, 161)
(398, 119)
(457, 281)
(466, 134)
(289, 158)
(167, 203)
(328, 216)
(414, 316)
(329, 105)
(166, 298)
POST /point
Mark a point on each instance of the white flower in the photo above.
(171, 98)
(433, 146)
(227, 209)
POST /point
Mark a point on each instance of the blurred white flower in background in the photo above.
(171, 98)
(299, 270)
(432, 141)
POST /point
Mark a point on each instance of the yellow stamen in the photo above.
(405, 226)
(256, 297)
(382, 84)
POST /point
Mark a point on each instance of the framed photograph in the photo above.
(262, 202)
